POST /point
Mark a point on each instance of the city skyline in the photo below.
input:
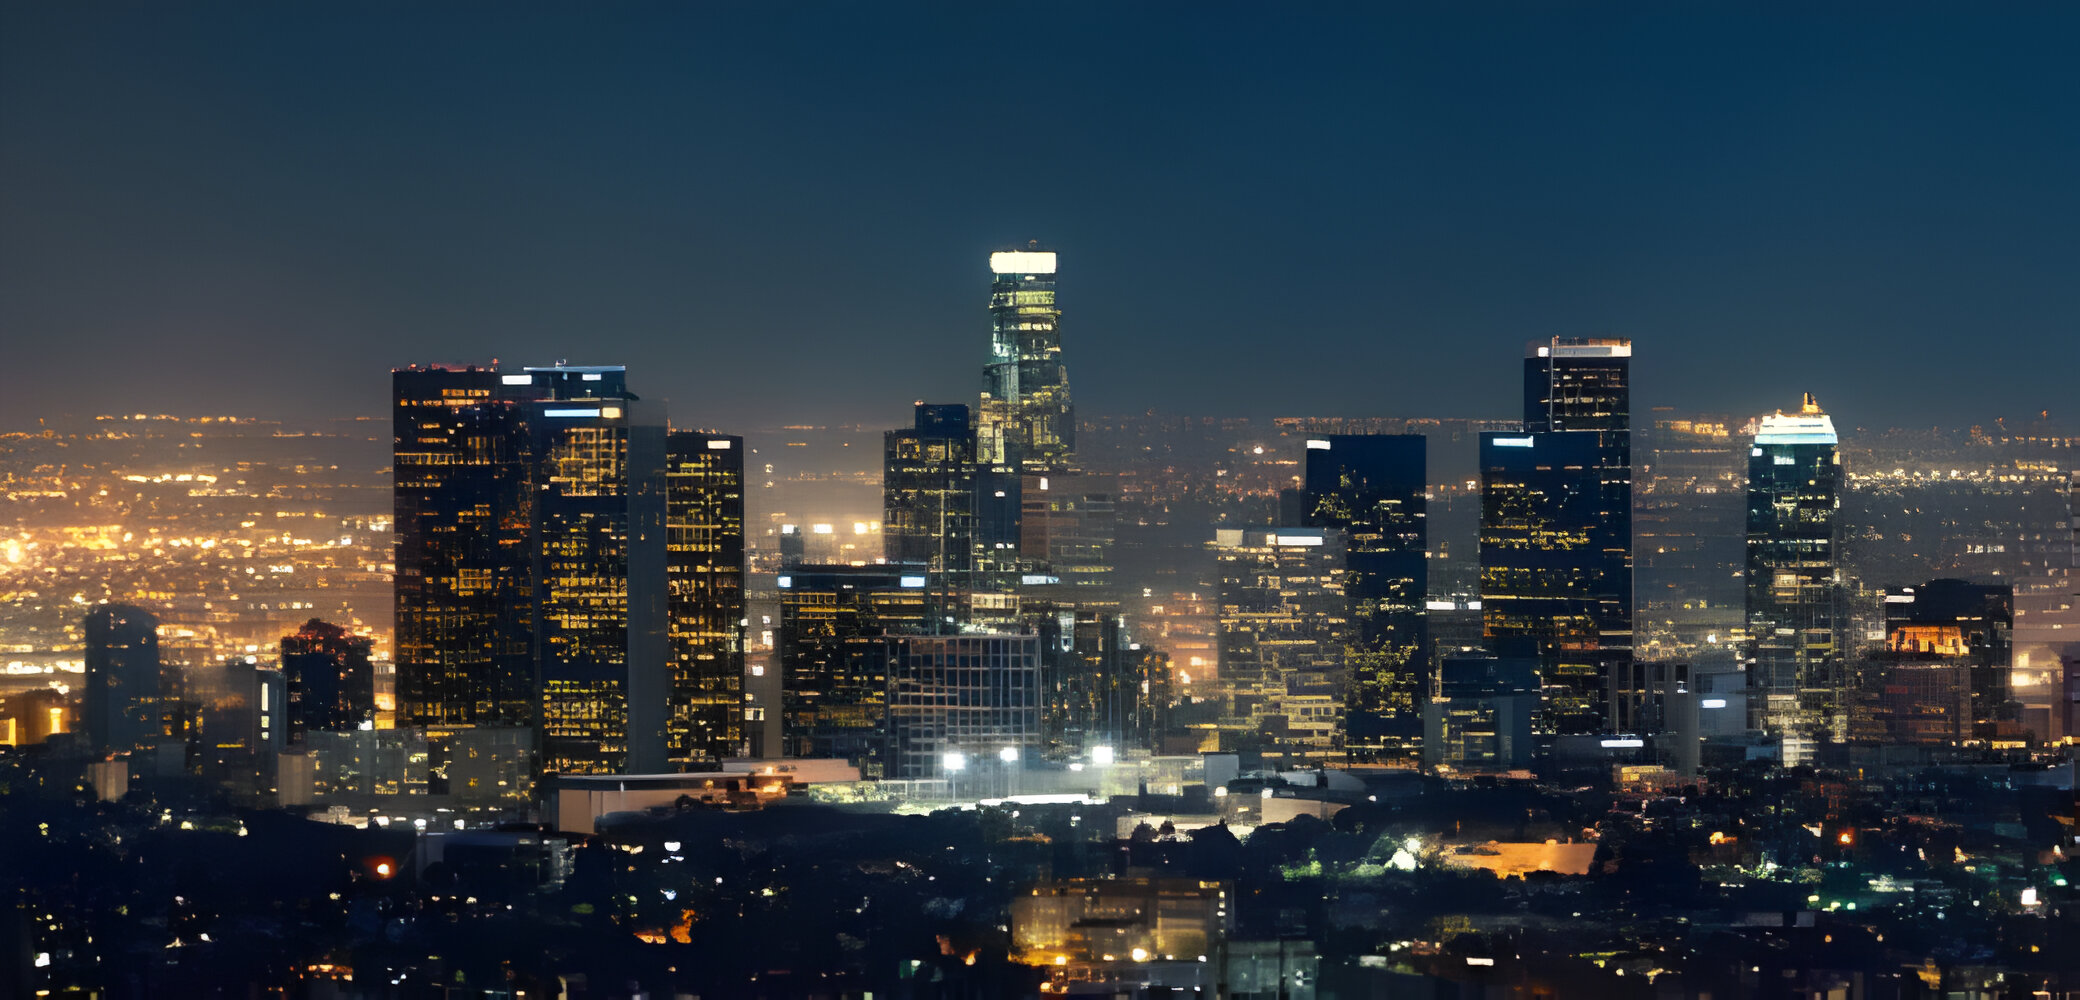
(1724, 191)
(1426, 589)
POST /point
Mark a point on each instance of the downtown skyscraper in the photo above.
(704, 578)
(1371, 488)
(598, 541)
(535, 585)
(1027, 419)
(1556, 534)
(464, 581)
(928, 483)
(1796, 684)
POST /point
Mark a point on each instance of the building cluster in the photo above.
(1333, 646)
(1354, 707)
(574, 596)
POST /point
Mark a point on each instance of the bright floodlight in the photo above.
(1101, 755)
(955, 761)
(1008, 755)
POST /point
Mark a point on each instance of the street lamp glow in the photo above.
(954, 761)
(1101, 756)
(1008, 755)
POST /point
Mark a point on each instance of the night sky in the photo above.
(781, 214)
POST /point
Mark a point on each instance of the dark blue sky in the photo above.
(781, 213)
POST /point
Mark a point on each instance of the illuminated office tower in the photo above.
(1943, 676)
(1795, 681)
(1284, 633)
(1027, 418)
(1371, 488)
(1582, 384)
(1556, 535)
(125, 711)
(704, 579)
(464, 582)
(331, 684)
(602, 657)
(928, 485)
(834, 682)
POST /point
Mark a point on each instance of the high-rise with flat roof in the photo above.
(531, 579)
(1796, 683)
(834, 679)
(1284, 633)
(598, 546)
(704, 580)
(1371, 488)
(464, 581)
(1943, 674)
(1556, 534)
(928, 494)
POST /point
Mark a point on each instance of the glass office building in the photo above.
(600, 609)
(1027, 417)
(1371, 488)
(1796, 685)
(834, 693)
(464, 581)
(704, 582)
(928, 484)
(1284, 634)
(1556, 535)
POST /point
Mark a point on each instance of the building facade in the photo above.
(1371, 489)
(1480, 717)
(928, 484)
(464, 581)
(1285, 631)
(1797, 687)
(1027, 417)
(957, 702)
(1943, 675)
(704, 583)
(598, 545)
(834, 680)
(1556, 534)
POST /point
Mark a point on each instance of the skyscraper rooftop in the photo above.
(1808, 426)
